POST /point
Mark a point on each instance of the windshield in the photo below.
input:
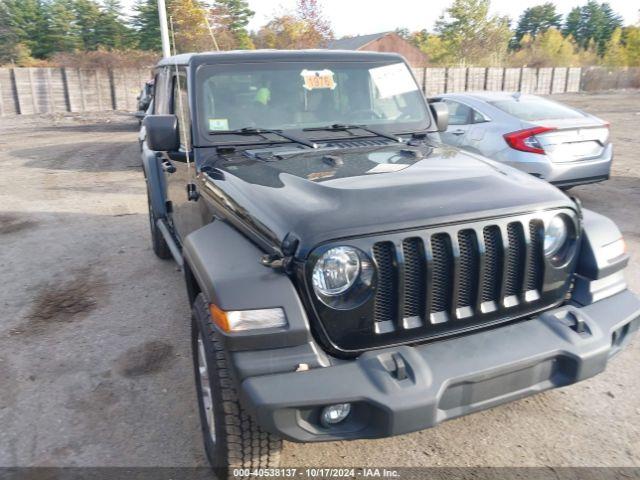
(296, 95)
(534, 109)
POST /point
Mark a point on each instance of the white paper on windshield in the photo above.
(393, 80)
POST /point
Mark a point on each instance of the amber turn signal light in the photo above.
(242, 320)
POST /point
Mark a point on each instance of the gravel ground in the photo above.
(95, 366)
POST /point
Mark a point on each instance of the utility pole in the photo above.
(164, 30)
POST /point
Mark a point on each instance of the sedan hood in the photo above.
(327, 194)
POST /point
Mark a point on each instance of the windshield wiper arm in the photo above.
(366, 128)
(260, 131)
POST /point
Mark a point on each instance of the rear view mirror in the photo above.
(162, 132)
(440, 114)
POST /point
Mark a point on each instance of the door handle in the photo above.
(458, 132)
(168, 167)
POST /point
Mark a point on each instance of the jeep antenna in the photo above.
(213, 37)
(181, 116)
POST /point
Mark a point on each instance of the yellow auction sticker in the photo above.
(316, 79)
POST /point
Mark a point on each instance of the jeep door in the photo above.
(183, 213)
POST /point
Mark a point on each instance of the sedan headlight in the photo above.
(342, 277)
(555, 235)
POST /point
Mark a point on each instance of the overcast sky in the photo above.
(358, 17)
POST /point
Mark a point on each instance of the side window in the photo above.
(152, 93)
(478, 117)
(160, 93)
(459, 114)
(180, 108)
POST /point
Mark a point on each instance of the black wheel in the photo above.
(232, 438)
(160, 247)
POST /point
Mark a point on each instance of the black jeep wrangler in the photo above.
(351, 276)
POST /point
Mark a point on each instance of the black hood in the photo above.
(322, 195)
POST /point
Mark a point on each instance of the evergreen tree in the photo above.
(147, 25)
(535, 20)
(111, 30)
(62, 31)
(9, 40)
(23, 27)
(592, 23)
(233, 16)
(88, 18)
(572, 23)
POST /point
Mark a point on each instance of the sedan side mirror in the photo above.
(440, 114)
(162, 132)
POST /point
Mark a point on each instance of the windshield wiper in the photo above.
(366, 128)
(260, 131)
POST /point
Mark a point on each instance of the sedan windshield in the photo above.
(296, 95)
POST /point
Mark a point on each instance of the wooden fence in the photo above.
(50, 90)
(544, 81)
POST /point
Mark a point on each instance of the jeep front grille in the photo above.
(445, 277)
(438, 281)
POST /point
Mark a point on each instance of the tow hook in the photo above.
(400, 371)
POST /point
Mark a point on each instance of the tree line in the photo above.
(98, 33)
(589, 34)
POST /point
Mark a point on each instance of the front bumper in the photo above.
(445, 379)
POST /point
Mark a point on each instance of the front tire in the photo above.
(232, 438)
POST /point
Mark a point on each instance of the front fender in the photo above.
(599, 272)
(227, 269)
(599, 232)
(155, 179)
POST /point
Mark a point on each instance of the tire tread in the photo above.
(246, 444)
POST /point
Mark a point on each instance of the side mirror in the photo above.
(440, 114)
(162, 132)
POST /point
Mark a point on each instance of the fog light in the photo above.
(334, 414)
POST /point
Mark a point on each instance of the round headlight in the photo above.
(336, 271)
(555, 235)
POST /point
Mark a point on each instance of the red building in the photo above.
(382, 42)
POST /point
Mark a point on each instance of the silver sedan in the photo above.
(557, 143)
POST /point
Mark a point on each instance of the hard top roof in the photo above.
(244, 56)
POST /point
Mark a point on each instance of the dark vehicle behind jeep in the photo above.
(350, 275)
